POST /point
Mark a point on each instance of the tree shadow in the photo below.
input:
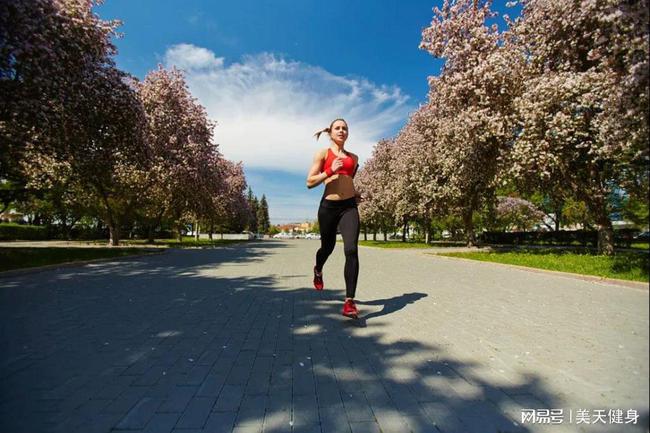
(173, 339)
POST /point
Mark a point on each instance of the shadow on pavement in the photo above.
(391, 305)
(168, 343)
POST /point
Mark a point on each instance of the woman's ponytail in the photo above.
(328, 129)
(317, 135)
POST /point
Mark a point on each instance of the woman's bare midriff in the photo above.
(339, 187)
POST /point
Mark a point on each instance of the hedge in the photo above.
(623, 237)
(23, 232)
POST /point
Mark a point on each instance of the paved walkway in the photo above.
(234, 340)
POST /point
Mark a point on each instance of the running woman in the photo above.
(336, 167)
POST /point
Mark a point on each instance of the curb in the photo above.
(44, 268)
(591, 278)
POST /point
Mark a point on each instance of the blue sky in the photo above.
(272, 73)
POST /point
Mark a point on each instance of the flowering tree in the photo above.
(583, 117)
(230, 206)
(105, 154)
(72, 122)
(420, 190)
(470, 114)
(517, 213)
(372, 181)
(48, 50)
(185, 169)
(69, 118)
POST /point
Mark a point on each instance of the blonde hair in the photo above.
(329, 128)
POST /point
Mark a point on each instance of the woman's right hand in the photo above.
(337, 164)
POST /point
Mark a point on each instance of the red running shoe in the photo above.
(350, 309)
(318, 280)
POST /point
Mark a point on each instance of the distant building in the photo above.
(295, 227)
(11, 216)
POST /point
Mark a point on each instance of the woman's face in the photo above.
(339, 131)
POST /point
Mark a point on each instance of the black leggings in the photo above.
(344, 214)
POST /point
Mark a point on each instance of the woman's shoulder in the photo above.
(321, 153)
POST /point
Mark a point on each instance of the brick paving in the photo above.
(234, 339)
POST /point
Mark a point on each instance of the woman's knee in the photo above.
(351, 251)
(326, 249)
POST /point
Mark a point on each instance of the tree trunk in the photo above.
(404, 232)
(211, 230)
(427, 231)
(374, 235)
(114, 234)
(150, 231)
(558, 215)
(180, 232)
(196, 230)
(65, 229)
(605, 236)
(156, 225)
(469, 227)
(365, 233)
(113, 226)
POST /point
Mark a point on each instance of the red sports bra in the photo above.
(348, 167)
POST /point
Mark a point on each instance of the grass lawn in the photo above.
(16, 258)
(408, 244)
(625, 266)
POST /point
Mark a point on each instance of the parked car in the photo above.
(312, 236)
(282, 235)
(643, 236)
(250, 235)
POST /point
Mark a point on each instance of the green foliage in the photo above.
(23, 232)
(635, 210)
(452, 223)
(263, 216)
(11, 191)
(576, 212)
(253, 204)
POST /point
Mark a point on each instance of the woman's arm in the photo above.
(357, 195)
(356, 164)
(315, 177)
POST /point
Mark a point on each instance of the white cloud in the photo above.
(191, 58)
(267, 108)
